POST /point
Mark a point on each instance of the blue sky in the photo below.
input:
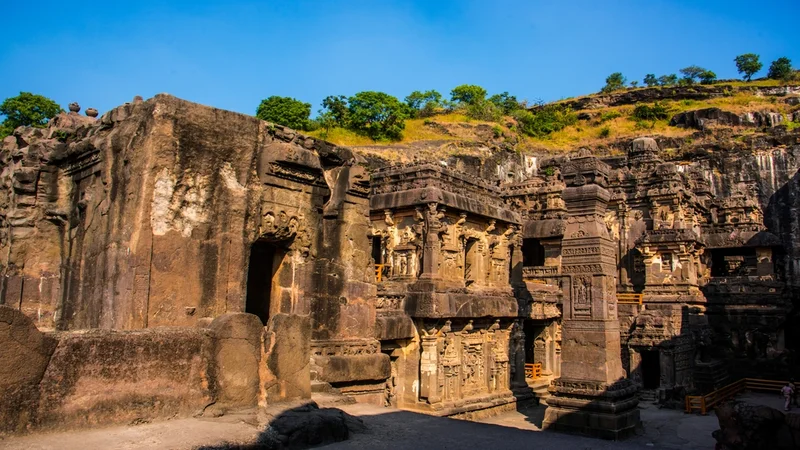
(233, 54)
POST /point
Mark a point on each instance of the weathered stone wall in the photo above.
(71, 379)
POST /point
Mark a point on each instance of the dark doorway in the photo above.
(377, 249)
(532, 252)
(651, 369)
(265, 259)
(531, 331)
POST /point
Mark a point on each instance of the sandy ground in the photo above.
(397, 429)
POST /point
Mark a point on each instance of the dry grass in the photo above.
(583, 134)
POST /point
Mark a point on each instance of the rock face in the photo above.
(25, 353)
(696, 92)
(701, 118)
(277, 260)
(756, 427)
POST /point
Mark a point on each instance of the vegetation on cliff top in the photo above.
(26, 109)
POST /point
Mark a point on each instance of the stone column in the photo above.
(592, 396)
(432, 244)
(429, 370)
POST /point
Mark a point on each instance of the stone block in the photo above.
(237, 355)
(397, 326)
(337, 369)
(289, 357)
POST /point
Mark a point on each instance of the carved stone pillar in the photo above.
(432, 244)
(429, 370)
(592, 396)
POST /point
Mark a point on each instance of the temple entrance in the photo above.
(651, 369)
(265, 259)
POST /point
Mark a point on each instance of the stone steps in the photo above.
(648, 395)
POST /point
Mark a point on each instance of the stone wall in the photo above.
(70, 379)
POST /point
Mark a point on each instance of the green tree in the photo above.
(285, 111)
(336, 107)
(748, 64)
(614, 82)
(468, 94)
(692, 73)
(377, 115)
(26, 109)
(634, 84)
(650, 80)
(708, 77)
(668, 80)
(423, 104)
(781, 69)
(505, 102)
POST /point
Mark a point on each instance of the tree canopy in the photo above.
(377, 115)
(781, 69)
(505, 102)
(285, 111)
(692, 73)
(423, 104)
(748, 64)
(468, 94)
(26, 109)
(614, 82)
(336, 107)
(650, 80)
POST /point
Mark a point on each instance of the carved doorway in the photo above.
(265, 260)
(651, 369)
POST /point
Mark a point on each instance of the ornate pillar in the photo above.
(432, 244)
(592, 396)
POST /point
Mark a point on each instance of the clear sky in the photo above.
(233, 54)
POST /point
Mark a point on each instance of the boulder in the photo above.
(756, 427)
(308, 426)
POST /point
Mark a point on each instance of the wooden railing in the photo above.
(704, 403)
(533, 371)
(630, 299)
(379, 272)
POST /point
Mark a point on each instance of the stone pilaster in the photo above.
(592, 396)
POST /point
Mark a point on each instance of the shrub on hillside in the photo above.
(423, 104)
(652, 113)
(614, 82)
(668, 80)
(285, 111)
(505, 102)
(708, 77)
(650, 80)
(781, 69)
(377, 115)
(467, 94)
(483, 110)
(544, 119)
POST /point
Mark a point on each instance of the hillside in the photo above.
(606, 123)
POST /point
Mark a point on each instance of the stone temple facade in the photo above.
(260, 265)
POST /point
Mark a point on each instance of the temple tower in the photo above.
(592, 396)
